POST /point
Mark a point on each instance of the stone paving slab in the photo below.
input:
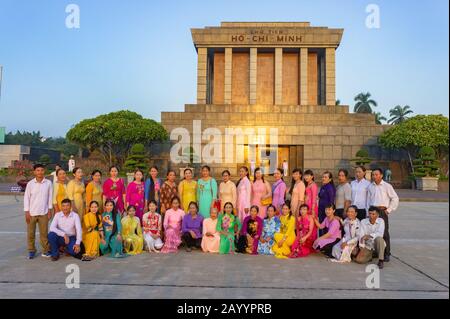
(419, 268)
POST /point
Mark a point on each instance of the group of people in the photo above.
(347, 221)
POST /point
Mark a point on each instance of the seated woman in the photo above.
(345, 248)
(133, 240)
(172, 226)
(191, 228)
(151, 224)
(92, 226)
(112, 228)
(271, 226)
(286, 236)
(250, 232)
(302, 245)
(332, 228)
(228, 225)
(211, 237)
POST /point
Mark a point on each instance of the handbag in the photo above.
(216, 202)
(267, 201)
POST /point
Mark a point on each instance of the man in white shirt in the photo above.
(65, 231)
(371, 236)
(383, 196)
(359, 192)
(37, 204)
(71, 163)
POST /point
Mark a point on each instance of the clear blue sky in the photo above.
(139, 55)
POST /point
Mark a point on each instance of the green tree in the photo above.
(417, 132)
(379, 117)
(399, 114)
(426, 163)
(114, 133)
(24, 138)
(136, 159)
(338, 102)
(37, 140)
(362, 158)
(45, 159)
(364, 103)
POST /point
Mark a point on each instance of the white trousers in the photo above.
(153, 243)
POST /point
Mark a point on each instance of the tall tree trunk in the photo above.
(410, 161)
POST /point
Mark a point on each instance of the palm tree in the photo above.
(399, 114)
(364, 103)
(379, 117)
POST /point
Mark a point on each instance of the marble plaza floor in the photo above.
(419, 267)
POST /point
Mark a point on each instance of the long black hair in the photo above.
(98, 215)
(288, 205)
(151, 193)
(248, 174)
(258, 169)
(296, 170)
(114, 216)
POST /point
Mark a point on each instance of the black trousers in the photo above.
(241, 244)
(328, 248)
(361, 214)
(386, 237)
(191, 242)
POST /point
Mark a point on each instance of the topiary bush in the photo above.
(362, 158)
(137, 159)
(426, 164)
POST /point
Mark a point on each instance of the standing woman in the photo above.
(227, 190)
(286, 236)
(250, 232)
(173, 219)
(153, 188)
(261, 191)
(133, 240)
(206, 192)
(135, 194)
(168, 191)
(114, 189)
(94, 191)
(327, 194)
(228, 225)
(278, 190)
(244, 193)
(343, 194)
(297, 191)
(311, 192)
(59, 190)
(76, 192)
(271, 226)
(187, 190)
(111, 241)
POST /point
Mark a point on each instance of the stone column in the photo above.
(278, 76)
(303, 76)
(330, 76)
(202, 58)
(253, 70)
(228, 74)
